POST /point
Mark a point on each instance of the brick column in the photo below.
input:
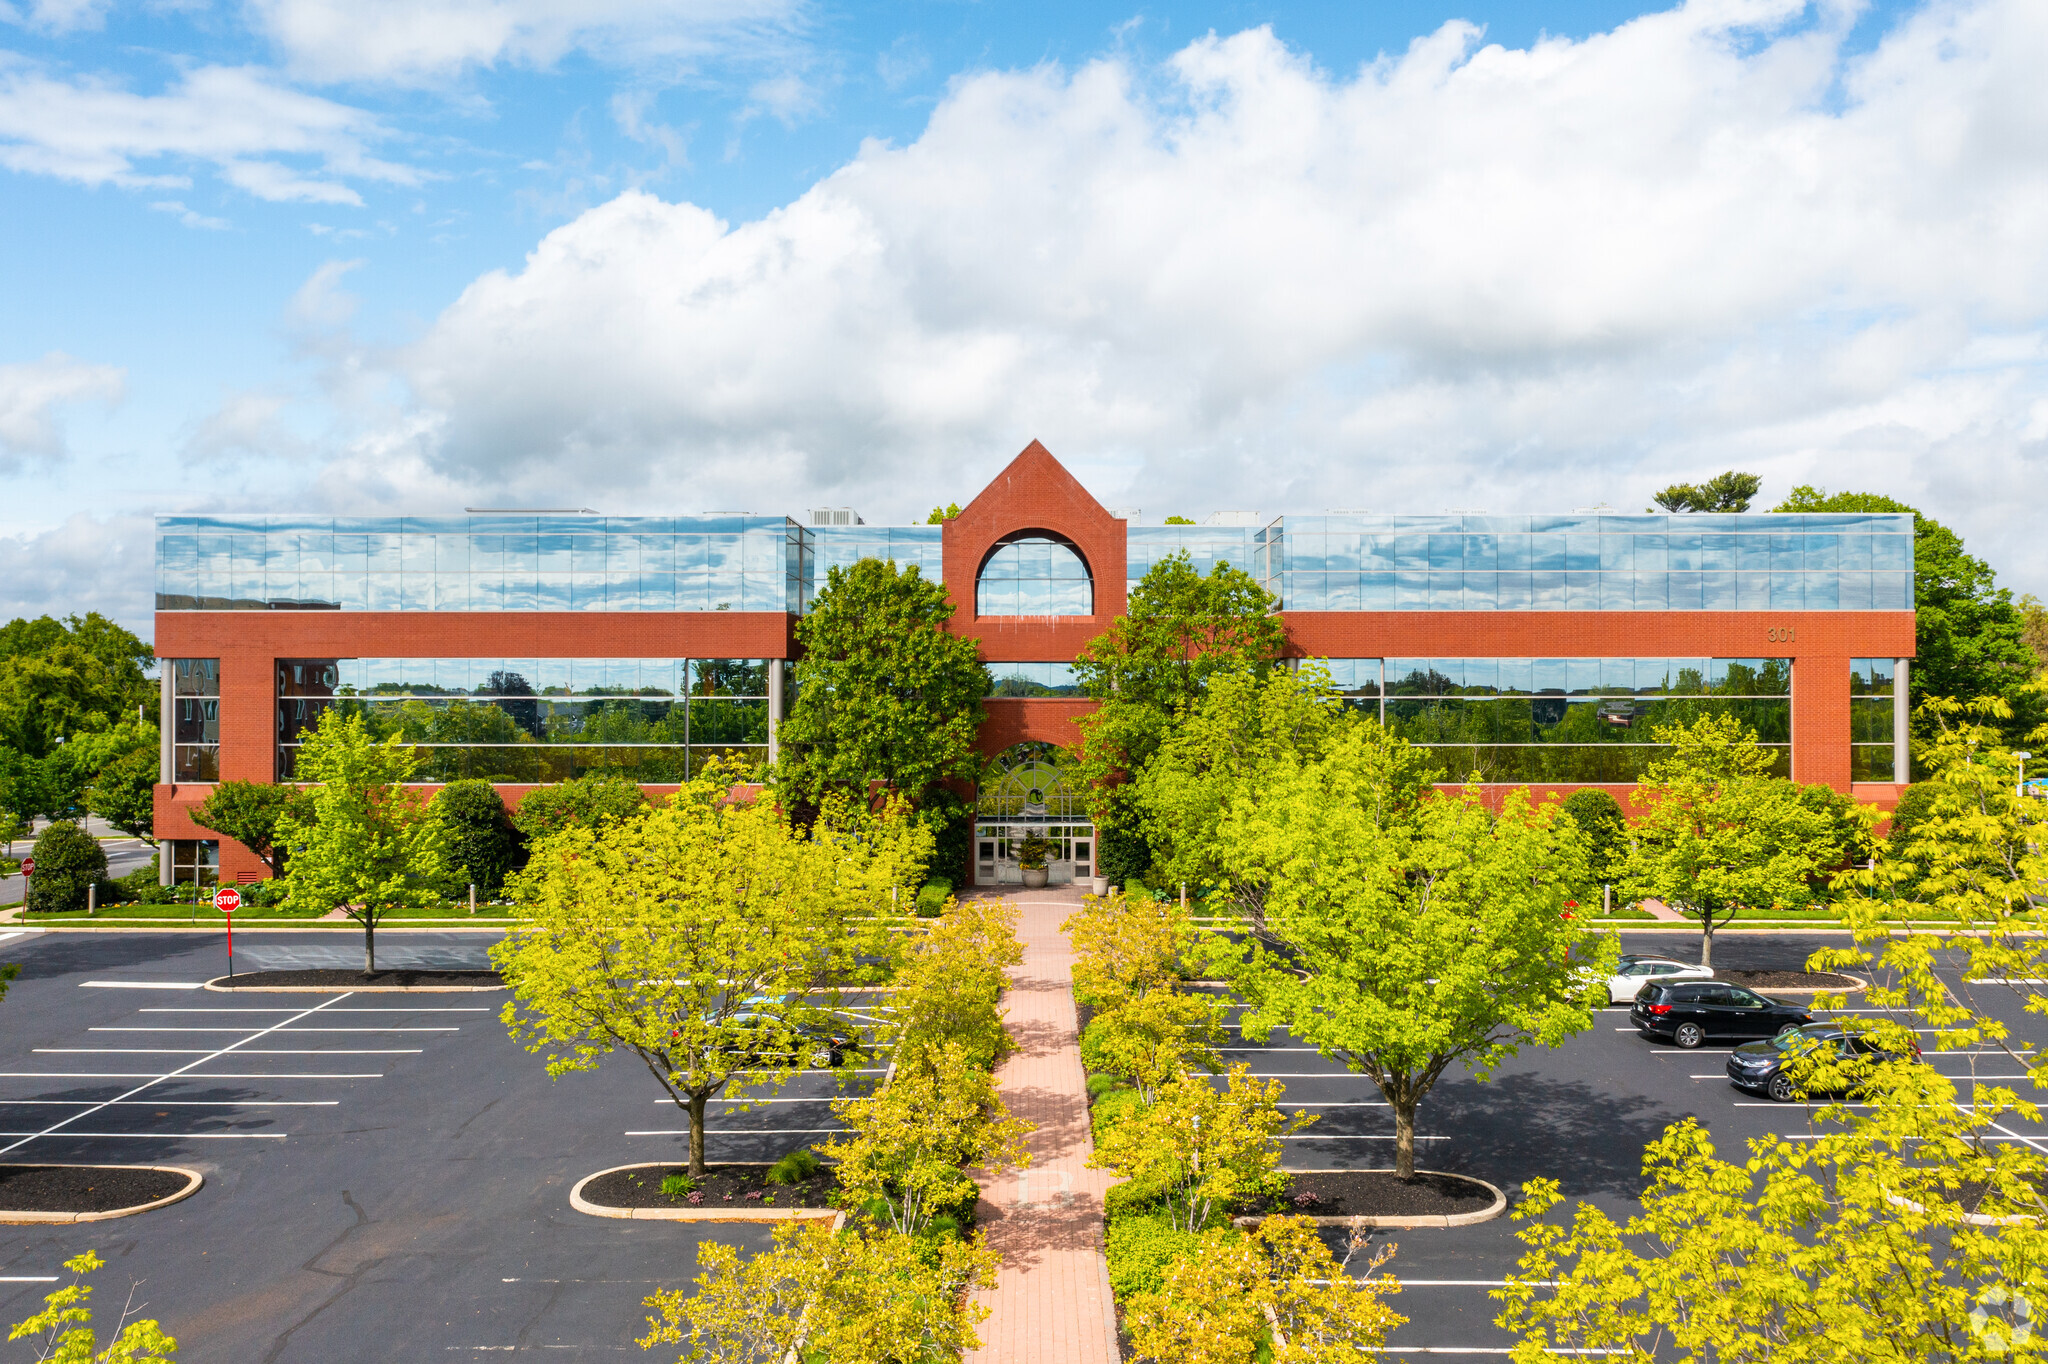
(1820, 720)
(248, 740)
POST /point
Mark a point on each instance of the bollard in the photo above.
(472, 897)
(92, 900)
(1607, 901)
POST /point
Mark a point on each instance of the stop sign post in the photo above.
(227, 900)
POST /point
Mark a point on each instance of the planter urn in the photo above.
(1034, 878)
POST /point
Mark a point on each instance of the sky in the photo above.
(407, 256)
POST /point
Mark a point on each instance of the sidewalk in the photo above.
(1051, 1302)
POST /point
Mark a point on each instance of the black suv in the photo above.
(1760, 1066)
(1690, 1012)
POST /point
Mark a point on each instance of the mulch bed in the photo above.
(723, 1186)
(344, 980)
(1378, 1193)
(83, 1188)
(1787, 980)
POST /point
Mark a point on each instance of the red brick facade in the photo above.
(1034, 493)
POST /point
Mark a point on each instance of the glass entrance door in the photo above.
(996, 851)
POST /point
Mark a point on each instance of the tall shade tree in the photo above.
(705, 938)
(1970, 637)
(1180, 629)
(364, 842)
(1729, 492)
(254, 814)
(1402, 938)
(63, 678)
(1715, 833)
(124, 794)
(884, 695)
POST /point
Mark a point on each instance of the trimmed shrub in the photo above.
(794, 1168)
(1112, 1108)
(1122, 855)
(1099, 1085)
(1140, 1247)
(68, 859)
(593, 801)
(931, 901)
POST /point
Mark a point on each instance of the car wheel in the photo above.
(1789, 1027)
(1780, 1089)
(1689, 1035)
(824, 1058)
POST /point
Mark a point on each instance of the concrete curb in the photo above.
(584, 1205)
(8, 1218)
(215, 986)
(1444, 1220)
(1861, 984)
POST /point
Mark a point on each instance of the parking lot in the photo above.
(388, 1174)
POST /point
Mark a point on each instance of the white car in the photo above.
(1632, 972)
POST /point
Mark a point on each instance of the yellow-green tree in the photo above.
(708, 938)
(62, 1332)
(861, 1296)
(909, 1145)
(1906, 1232)
(1195, 1150)
(951, 980)
(1714, 832)
(1275, 1296)
(367, 845)
(1402, 937)
(1129, 955)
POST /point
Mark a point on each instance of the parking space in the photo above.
(387, 1175)
(1581, 1114)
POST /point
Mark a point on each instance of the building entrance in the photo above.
(1029, 791)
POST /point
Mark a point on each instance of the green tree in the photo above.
(1180, 521)
(369, 847)
(56, 682)
(1195, 1150)
(704, 938)
(1154, 663)
(62, 1332)
(124, 794)
(2034, 628)
(1970, 637)
(593, 802)
(1129, 955)
(1729, 492)
(482, 844)
(1398, 938)
(861, 1296)
(884, 695)
(909, 1145)
(941, 515)
(1715, 833)
(68, 861)
(950, 982)
(1600, 821)
(254, 814)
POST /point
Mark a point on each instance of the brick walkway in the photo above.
(1051, 1304)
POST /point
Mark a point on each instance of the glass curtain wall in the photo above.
(481, 563)
(1563, 720)
(195, 720)
(844, 546)
(651, 720)
(1033, 679)
(1766, 562)
(1871, 682)
(1034, 575)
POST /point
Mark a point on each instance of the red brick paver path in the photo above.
(1051, 1304)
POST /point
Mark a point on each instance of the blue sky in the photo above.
(376, 256)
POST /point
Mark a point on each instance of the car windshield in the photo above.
(1800, 1038)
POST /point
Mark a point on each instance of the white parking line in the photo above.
(28, 1278)
(1347, 1136)
(379, 1009)
(140, 984)
(172, 1103)
(51, 1135)
(275, 1027)
(182, 1073)
(741, 1132)
(202, 1051)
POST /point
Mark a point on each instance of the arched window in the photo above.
(1032, 781)
(1034, 573)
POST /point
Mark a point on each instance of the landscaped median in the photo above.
(66, 1194)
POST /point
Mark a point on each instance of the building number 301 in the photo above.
(1779, 634)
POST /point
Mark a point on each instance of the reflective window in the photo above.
(1871, 717)
(527, 720)
(1563, 720)
(195, 862)
(1034, 574)
(195, 720)
(1033, 679)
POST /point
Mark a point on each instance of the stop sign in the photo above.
(28, 866)
(227, 899)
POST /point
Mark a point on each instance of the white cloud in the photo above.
(86, 563)
(1463, 276)
(31, 395)
(190, 217)
(56, 16)
(236, 119)
(420, 41)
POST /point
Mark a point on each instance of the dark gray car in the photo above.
(1691, 1013)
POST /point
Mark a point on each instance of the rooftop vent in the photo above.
(835, 516)
(1231, 518)
(1131, 514)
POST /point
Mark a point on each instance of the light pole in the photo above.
(2021, 789)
